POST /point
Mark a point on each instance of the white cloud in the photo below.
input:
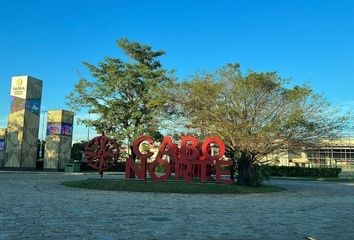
(346, 104)
(3, 121)
(80, 131)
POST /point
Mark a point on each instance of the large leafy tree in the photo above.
(256, 114)
(127, 98)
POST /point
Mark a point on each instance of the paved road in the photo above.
(36, 206)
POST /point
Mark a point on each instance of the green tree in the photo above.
(77, 150)
(256, 114)
(127, 97)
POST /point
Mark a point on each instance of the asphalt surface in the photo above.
(37, 206)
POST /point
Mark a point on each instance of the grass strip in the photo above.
(314, 179)
(169, 187)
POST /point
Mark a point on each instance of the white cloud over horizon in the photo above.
(3, 121)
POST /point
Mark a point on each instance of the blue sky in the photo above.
(309, 41)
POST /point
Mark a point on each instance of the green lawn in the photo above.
(315, 179)
(169, 187)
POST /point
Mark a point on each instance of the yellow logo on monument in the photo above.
(18, 89)
(19, 82)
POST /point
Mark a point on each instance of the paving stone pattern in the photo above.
(36, 206)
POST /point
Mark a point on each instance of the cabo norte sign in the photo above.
(192, 159)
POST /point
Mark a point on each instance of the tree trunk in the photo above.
(133, 157)
(245, 169)
(232, 170)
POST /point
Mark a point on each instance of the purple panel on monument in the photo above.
(33, 105)
(2, 144)
(54, 129)
(17, 104)
(67, 129)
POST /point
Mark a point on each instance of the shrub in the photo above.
(119, 167)
(284, 171)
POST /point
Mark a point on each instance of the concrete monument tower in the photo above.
(23, 123)
(59, 138)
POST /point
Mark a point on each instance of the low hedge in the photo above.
(277, 171)
(284, 171)
(119, 167)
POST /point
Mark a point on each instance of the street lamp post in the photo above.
(42, 138)
(88, 128)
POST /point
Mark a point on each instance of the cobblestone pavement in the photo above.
(36, 206)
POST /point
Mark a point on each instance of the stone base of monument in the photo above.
(22, 169)
(72, 167)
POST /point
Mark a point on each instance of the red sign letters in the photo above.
(192, 160)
